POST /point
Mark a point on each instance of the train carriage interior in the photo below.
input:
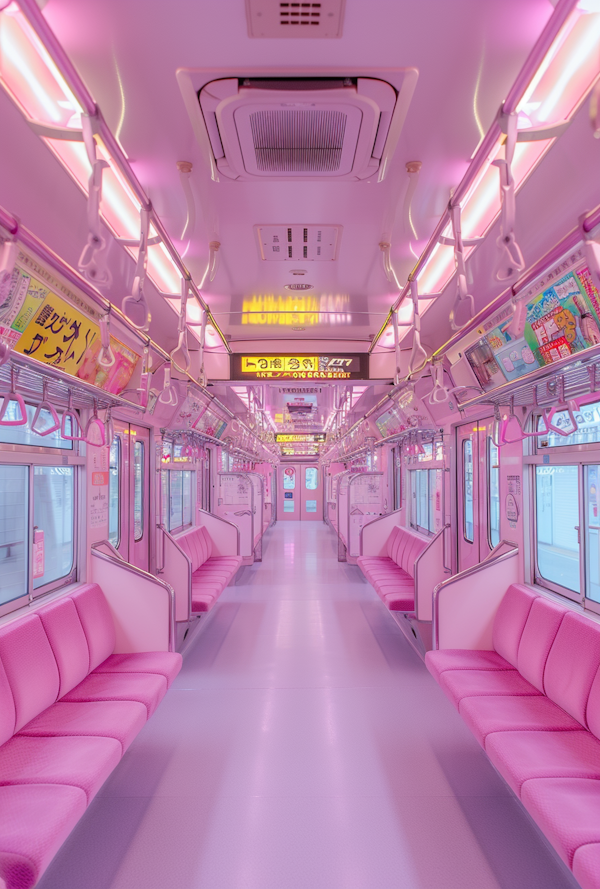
(300, 444)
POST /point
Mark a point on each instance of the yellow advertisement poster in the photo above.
(63, 337)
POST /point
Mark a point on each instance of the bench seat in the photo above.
(534, 705)
(69, 708)
(393, 576)
(210, 573)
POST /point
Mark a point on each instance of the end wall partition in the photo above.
(235, 503)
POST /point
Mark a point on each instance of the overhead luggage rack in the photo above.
(580, 376)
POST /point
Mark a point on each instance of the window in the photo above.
(397, 477)
(468, 530)
(53, 520)
(22, 435)
(311, 479)
(14, 532)
(289, 478)
(138, 490)
(588, 428)
(592, 533)
(557, 525)
(114, 492)
(178, 498)
(426, 499)
(493, 498)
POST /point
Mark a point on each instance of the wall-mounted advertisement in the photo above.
(562, 319)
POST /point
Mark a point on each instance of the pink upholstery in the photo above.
(80, 762)
(61, 619)
(510, 619)
(63, 751)
(28, 837)
(489, 713)
(392, 576)
(97, 622)
(163, 663)
(537, 637)
(572, 664)
(30, 667)
(459, 684)
(121, 720)
(532, 721)
(586, 866)
(457, 659)
(519, 756)
(147, 688)
(210, 574)
(566, 809)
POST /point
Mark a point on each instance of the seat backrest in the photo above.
(572, 665)
(393, 542)
(8, 714)
(194, 546)
(537, 638)
(208, 541)
(97, 622)
(68, 642)
(406, 547)
(30, 667)
(510, 619)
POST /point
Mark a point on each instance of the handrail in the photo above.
(493, 557)
(173, 540)
(225, 521)
(420, 556)
(111, 547)
(139, 572)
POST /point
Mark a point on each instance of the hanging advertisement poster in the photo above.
(562, 318)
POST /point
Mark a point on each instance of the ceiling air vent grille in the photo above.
(294, 18)
(294, 141)
(300, 14)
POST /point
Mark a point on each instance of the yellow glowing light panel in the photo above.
(300, 437)
(334, 367)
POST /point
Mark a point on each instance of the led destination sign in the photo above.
(299, 367)
(311, 437)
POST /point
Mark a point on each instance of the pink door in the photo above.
(478, 498)
(300, 494)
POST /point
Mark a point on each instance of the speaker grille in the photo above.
(295, 141)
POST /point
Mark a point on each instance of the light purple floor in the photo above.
(304, 746)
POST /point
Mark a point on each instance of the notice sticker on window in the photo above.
(38, 554)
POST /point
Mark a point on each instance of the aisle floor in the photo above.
(304, 746)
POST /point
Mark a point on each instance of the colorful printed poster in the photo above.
(61, 336)
(560, 321)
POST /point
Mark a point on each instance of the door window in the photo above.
(468, 528)
(493, 498)
(311, 478)
(557, 525)
(138, 490)
(114, 492)
(592, 533)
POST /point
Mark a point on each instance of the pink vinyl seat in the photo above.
(393, 576)
(210, 573)
(69, 708)
(534, 705)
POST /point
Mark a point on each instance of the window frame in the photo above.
(117, 440)
(166, 506)
(142, 479)
(431, 491)
(489, 468)
(467, 441)
(538, 578)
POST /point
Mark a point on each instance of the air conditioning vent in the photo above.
(293, 18)
(288, 141)
(292, 128)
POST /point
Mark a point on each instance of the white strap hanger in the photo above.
(464, 304)
(137, 299)
(92, 262)
(510, 258)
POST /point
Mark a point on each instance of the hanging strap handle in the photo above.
(92, 262)
(439, 394)
(45, 405)
(95, 423)
(181, 349)
(137, 297)
(168, 394)
(69, 414)
(510, 259)
(13, 397)
(464, 304)
(418, 355)
(106, 356)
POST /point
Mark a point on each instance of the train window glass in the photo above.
(187, 498)
(592, 533)
(397, 478)
(54, 523)
(468, 529)
(175, 499)
(426, 498)
(311, 478)
(22, 435)
(289, 479)
(588, 427)
(114, 474)
(138, 490)
(557, 525)
(493, 494)
(14, 499)
(427, 453)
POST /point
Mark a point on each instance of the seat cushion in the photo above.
(566, 809)
(586, 866)
(202, 603)
(35, 820)
(121, 720)
(460, 659)
(459, 684)
(30, 667)
(76, 761)
(146, 688)
(509, 621)
(400, 601)
(519, 756)
(503, 713)
(163, 663)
